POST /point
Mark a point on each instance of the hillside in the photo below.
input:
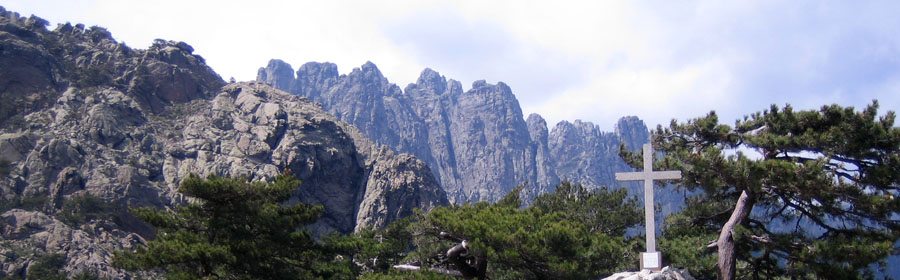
(86, 117)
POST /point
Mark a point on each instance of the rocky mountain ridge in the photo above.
(477, 142)
(84, 116)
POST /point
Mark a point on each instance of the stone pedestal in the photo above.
(651, 261)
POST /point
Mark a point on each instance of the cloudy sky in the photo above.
(566, 60)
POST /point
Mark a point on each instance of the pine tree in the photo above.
(235, 230)
(818, 199)
(572, 233)
(4, 167)
(375, 250)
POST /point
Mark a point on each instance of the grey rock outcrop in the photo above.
(476, 142)
(256, 131)
(97, 118)
(666, 273)
(30, 233)
(583, 153)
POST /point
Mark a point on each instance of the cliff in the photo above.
(477, 142)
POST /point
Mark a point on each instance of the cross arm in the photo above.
(656, 175)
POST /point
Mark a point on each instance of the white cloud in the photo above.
(658, 94)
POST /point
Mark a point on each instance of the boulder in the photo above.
(666, 273)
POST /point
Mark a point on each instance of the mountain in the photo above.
(90, 123)
(477, 142)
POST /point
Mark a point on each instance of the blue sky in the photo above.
(566, 60)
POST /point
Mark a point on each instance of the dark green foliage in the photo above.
(618, 211)
(686, 235)
(36, 23)
(94, 75)
(236, 229)
(822, 191)
(11, 109)
(51, 267)
(79, 210)
(555, 238)
(406, 275)
(7, 111)
(376, 250)
(84, 275)
(98, 33)
(47, 267)
(4, 168)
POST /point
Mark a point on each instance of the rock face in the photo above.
(46, 234)
(585, 154)
(254, 130)
(92, 117)
(477, 142)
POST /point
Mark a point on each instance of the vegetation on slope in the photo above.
(235, 229)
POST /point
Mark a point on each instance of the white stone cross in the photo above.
(651, 259)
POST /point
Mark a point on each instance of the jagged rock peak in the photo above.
(39, 65)
(483, 83)
(579, 127)
(477, 143)
(536, 119)
(629, 122)
(369, 68)
(432, 84)
(433, 80)
(632, 131)
(277, 73)
(537, 128)
(498, 94)
(369, 75)
(563, 124)
(33, 23)
(161, 43)
(278, 63)
(318, 69)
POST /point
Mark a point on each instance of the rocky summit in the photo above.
(88, 121)
(477, 142)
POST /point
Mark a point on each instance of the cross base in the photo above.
(651, 261)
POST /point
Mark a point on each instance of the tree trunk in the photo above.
(725, 243)
(468, 271)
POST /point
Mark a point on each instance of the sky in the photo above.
(595, 61)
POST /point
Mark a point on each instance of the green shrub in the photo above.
(50, 267)
(572, 233)
(4, 168)
(94, 75)
(236, 229)
(47, 267)
(394, 274)
(79, 210)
